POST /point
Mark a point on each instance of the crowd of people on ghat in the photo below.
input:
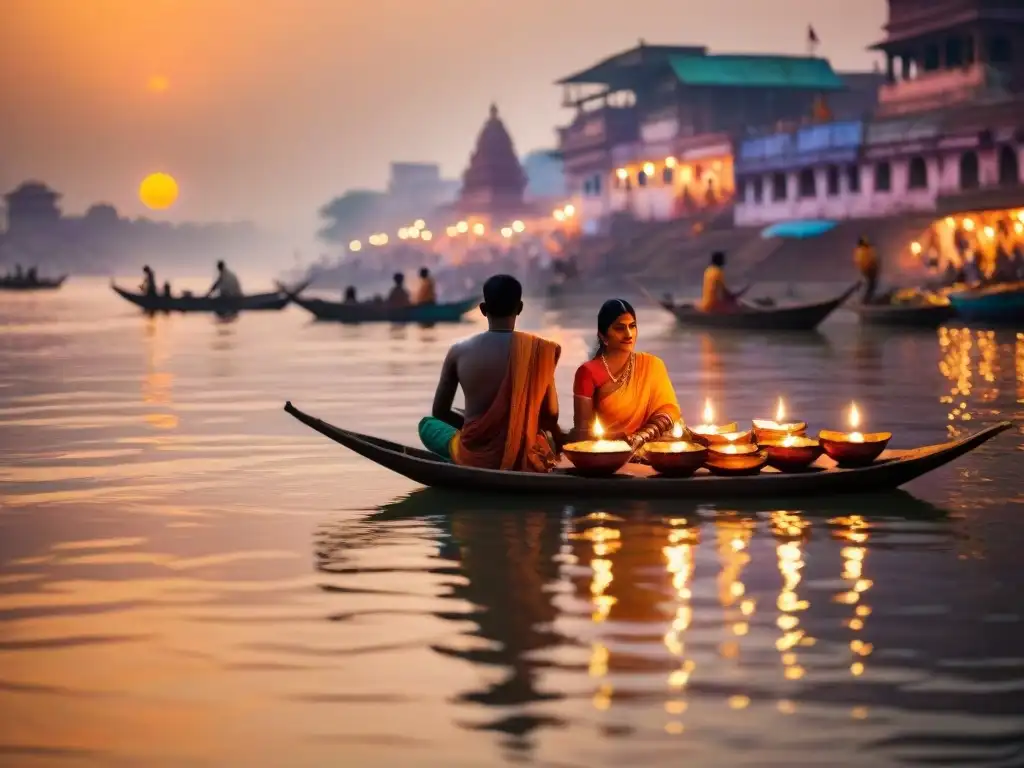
(510, 420)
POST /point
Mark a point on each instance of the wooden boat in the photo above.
(217, 304)
(39, 284)
(917, 314)
(799, 317)
(379, 312)
(891, 470)
(998, 304)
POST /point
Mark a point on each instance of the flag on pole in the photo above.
(812, 40)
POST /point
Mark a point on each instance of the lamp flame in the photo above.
(709, 413)
(854, 417)
(598, 430)
(677, 431)
(780, 412)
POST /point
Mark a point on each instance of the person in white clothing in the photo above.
(226, 283)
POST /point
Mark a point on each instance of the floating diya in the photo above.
(791, 453)
(854, 449)
(710, 433)
(735, 459)
(598, 456)
(777, 428)
(676, 457)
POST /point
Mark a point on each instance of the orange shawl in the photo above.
(507, 436)
(648, 392)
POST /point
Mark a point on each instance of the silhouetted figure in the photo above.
(32, 276)
(866, 260)
(350, 295)
(167, 289)
(148, 281)
(226, 284)
(399, 297)
(19, 273)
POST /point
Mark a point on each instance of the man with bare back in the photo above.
(507, 378)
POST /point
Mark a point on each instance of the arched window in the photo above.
(778, 186)
(969, 178)
(808, 187)
(883, 177)
(833, 181)
(918, 176)
(1009, 168)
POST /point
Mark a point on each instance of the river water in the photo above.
(189, 577)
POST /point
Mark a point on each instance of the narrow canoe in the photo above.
(909, 315)
(217, 304)
(373, 312)
(42, 284)
(893, 469)
(800, 317)
(1001, 304)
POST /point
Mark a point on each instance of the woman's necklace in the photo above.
(623, 374)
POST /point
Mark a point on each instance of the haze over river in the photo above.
(190, 577)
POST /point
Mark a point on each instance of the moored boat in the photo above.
(39, 284)
(998, 304)
(929, 312)
(797, 317)
(891, 470)
(380, 312)
(216, 304)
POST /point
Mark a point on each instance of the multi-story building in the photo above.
(654, 126)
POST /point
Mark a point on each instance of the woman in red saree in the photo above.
(629, 392)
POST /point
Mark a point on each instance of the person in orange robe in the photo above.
(426, 293)
(507, 378)
(715, 297)
(629, 392)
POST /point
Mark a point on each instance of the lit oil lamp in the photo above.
(598, 456)
(710, 433)
(791, 453)
(676, 457)
(777, 428)
(855, 448)
(735, 459)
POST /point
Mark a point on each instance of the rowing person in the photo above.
(865, 258)
(715, 296)
(507, 378)
(148, 286)
(629, 392)
(426, 291)
(226, 284)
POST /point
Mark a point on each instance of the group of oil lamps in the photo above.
(727, 450)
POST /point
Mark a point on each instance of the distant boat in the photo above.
(380, 312)
(217, 304)
(39, 284)
(998, 304)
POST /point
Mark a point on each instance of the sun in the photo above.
(158, 191)
(158, 84)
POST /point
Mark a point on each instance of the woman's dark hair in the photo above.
(611, 311)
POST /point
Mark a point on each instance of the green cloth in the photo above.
(757, 72)
(436, 436)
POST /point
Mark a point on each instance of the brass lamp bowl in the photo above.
(727, 433)
(598, 458)
(792, 453)
(735, 459)
(675, 458)
(849, 453)
(766, 430)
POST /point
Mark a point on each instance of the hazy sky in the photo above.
(274, 106)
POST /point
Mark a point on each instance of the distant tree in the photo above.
(350, 216)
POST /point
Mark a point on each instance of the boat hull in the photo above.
(1001, 306)
(904, 316)
(893, 469)
(803, 317)
(214, 304)
(7, 284)
(366, 312)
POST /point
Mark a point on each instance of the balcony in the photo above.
(931, 90)
(598, 129)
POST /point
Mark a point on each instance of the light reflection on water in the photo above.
(187, 576)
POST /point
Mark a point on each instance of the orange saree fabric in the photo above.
(508, 436)
(647, 393)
